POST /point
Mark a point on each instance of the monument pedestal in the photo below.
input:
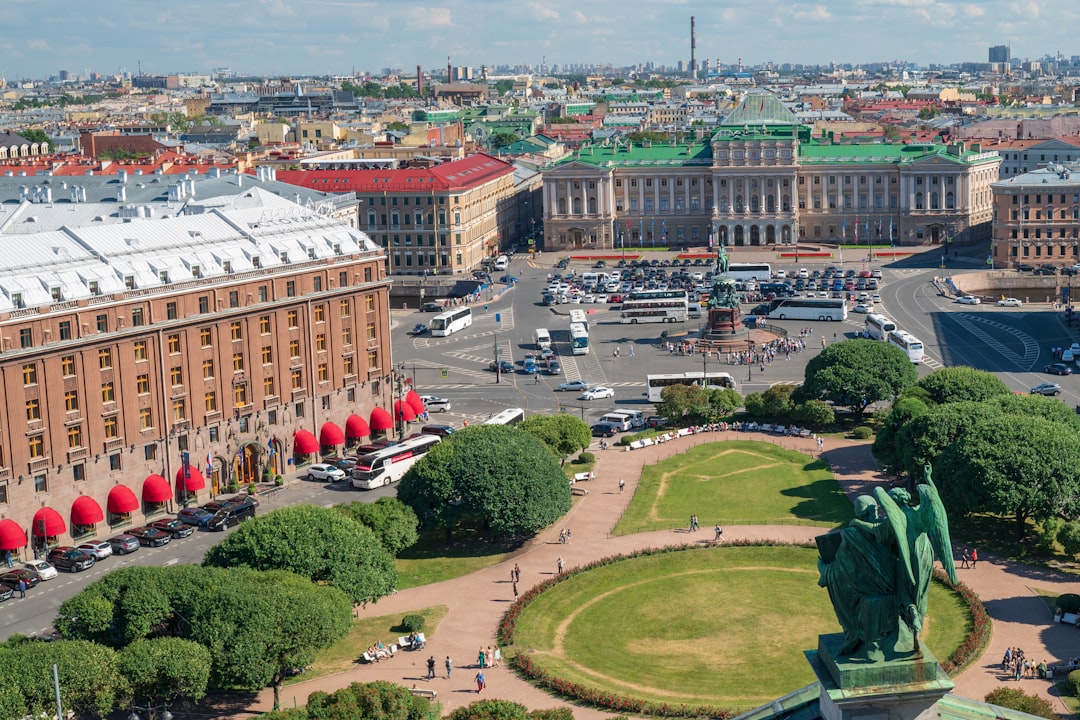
(722, 323)
(853, 688)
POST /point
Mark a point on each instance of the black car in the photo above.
(1070, 271)
(1024, 267)
(419, 329)
(12, 577)
(504, 366)
(70, 559)
(431, 307)
(231, 514)
(174, 527)
(1058, 369)
(562, 264)
(150, 536)
(604, 430)
(1046, 270)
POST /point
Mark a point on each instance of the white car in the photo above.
(1009, 302)
(590, 299)
(968, 300)
(875, 298)
(597, 393)
(781, 274)
(328, 473)
(601, 299)
(863, 308)
(804, 273)
(42, 568)
(437, 405)
(573, 385)
(99, 549)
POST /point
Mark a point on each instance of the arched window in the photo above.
(770, 203)
(950, 201)
(577, 206)
(785, 204)
(739, 206)
(723, 203)
(934, 201)
(592, 206)
(755, 203)
(562, 206)
(918, 201)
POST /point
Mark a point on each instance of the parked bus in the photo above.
(511, 417)
(543, 338)
(655, 384)
(389, 464)
(878, 327)
(798, 308)
(654, 306)
(908, 343)
(580, 317)
(449, 322)
(761, 272)
(579, 339)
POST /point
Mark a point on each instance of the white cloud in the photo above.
(422, 18)
(817, 12)
(38, 44)
(544, 12)
(276, 8)
(972, 11)
(579, 17)
(1031, 9)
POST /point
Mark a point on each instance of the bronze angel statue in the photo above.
(878, 568)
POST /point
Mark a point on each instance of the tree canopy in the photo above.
(163, 669)
(497, 477)
(562, 434)
(91, 683)
(689, 404)
(393, 522)
(322, 544)
(858, 373)
(954, 384)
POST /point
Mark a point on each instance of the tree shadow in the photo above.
(824, 501)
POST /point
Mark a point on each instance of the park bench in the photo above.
(583, 476)
(406, 644)
(424, 692)
(579, 491)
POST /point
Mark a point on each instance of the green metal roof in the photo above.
(658, 154)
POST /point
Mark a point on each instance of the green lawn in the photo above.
(735, 483)
(432, 560)
(721, 626)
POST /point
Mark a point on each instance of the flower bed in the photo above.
(620, 256)
(978, 638)
(805, 254)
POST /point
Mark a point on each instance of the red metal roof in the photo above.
(460, 174)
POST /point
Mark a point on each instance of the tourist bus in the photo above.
(579, 339)
(655, 384)
(580, 317)
(654, 306)
(511, 417)
(389, 464)
(799, 308)
(878, 327)
(449, 322)
(907, 342)
(760, 272)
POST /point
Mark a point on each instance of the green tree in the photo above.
(891, 132)
(398, 126)
(503, 138)
(35, 135)
(683, 404)
(322, 544)
(562, 434)
(926, 436)
(161, 670)
(377, 700)
(90, 681)
(641, 136)
(858, 373)
(886, 449)
(1069, 537)
(777, 401)
(722, 403)
(1016, 699)
(814, 414)
(498, 477)
(503, 86)
(491, 710)
(755, 405)
(393, 522)
(955, 384)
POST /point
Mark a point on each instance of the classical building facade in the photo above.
(1037, 218)
(763, 180)
(148, 362)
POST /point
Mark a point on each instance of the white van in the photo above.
(502, 262)
(637, 418)
(543, 338)
(619, 420)
(693, 309)
(588, 278)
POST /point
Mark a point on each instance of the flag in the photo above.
(663, 230)
(640, 232)
(710, 238)
(879, 228)
(762, 108)
(866, 229)
(890, 231)
(856, 229)
(270, 445)
(652, 232)
(209, 465)
(843, 229)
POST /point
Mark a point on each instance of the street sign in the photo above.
(444, 373)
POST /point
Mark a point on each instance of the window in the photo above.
(324, 372)
(78, 472)
(108, 392)
(170, 311)
(297, 379)
(267, 355)
(71, 400)
(41, 484)
(234, 298)
(174, 344)
(26, 338)
(150, 452)
(74, 437)
(37, 446)
(137, 319)
(33, 409)
(292, 319)
(142, 384)
(240, 395)
(348, 366)
(316, 282)
(114, 462)
(262, 294)
(268, 387)
(204, 305)
(210, 399)
(112, 428)
(344, 308)
(65, 329)
(264, 325)
(320, 342)
(319, 313)
(294, 348)
(238, 362)
(145, 422)
(179, 410)
(236, 332)
(105, 358)
(373, 360)
(102, 323)
(176, 376)
(371, 332)
(346, 336)
(369, 303)
(29, 374)
(67, 366)
(290, 288)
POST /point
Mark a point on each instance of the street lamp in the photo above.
(749, 356)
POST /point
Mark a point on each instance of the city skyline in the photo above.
(338, 36)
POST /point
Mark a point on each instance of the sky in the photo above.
(318, 37)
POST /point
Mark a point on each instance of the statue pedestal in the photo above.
(722, 322)
(854, 688)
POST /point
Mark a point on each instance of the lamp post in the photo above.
(399, 397)
(749, 356)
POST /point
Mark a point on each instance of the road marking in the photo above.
(1031, 349)
(174, 561)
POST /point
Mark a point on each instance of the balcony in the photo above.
(177, 391)
(298, 392)
(271, 401)
(77, 454)
(5, 473)
(114, 444)
(213, 416)
(40, 464)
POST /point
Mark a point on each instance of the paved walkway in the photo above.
(477, 601)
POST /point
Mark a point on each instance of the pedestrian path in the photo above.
(476, 602)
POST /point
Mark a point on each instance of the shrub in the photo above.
(279, 480)
(562, 713)
(814, 414)
(1019, 700)
(251, 489)
(1069, 537)
(755, 405)
(1048, 533)
(862, 432)
(1069, 602)
(1072, 682)
(413, 623)
(586, 457)
(491, 710)
(233, 487)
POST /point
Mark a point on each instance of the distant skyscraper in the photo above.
(999, 54)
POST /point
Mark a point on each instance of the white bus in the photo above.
(797, 308)
(878, 327)
(579, 339)
(580, 317)
(449, 322)
(908, 343)
(543, 338)
(388, 465)
(713, 381)
(654, 306)
(761, 272)
(511, 417)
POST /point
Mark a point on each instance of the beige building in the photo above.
(1037, 218)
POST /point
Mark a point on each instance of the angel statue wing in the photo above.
(898, 522)
(936, 523)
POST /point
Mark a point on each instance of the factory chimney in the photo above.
(419, 81)
(693, 49)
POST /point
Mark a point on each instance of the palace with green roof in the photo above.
(762, 179)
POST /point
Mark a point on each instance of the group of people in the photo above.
(488, 657)
(969, 557)
(379, 651)
(565, 536)
(1017, 666)
(767, 352)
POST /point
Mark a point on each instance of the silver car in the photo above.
(327, 473)
(100, 549)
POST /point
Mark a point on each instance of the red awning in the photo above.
(122, 500)
(192, 483)
(331, 435)
(156, 489)
(356, 427)
(403, 411)
(304, 443)
(415, 402)
(48, 523)
(86, 511)
(381, 420)
(12, 537)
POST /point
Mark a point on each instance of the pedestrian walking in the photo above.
(449, 667)
(481, 683)
(718, 533)
(22, 588)
(7, 559)
(481, 660)
(974, 557)
(965, 559)
(431, 667)
(622, 484)
(820, 443)
(631, 351)
(517, 573)
(569, 535)
(560, 564)
(562, 537)
(536, 379)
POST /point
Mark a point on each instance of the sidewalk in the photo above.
(477, 601)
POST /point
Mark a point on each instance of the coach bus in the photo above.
(878, 327)
(654, 306)
(510, 416)
(760, 272)
(449, 322)
(388, 465)
(798, 308)
(907, 342)
(655, 384)
(579, 339)
(579, 317)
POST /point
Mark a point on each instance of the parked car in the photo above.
(72, 559)
(502, 366)
(431, 307)
(440, 430)
(42, 568)
(325, 473)
(554, 367)
(13, 576)
(150, 536)
(1047, 388)
(597, 393)
(1009, 302)
(1058, 369)
(6, 592)
(968, 300)
(436, 404)
(572, 385)
(345, 464)
(419, 329)
(232, 514)
(196, 516)
(100, 549)
(604, 430)
(1024, 267)
(174, 527)
(123, 544)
